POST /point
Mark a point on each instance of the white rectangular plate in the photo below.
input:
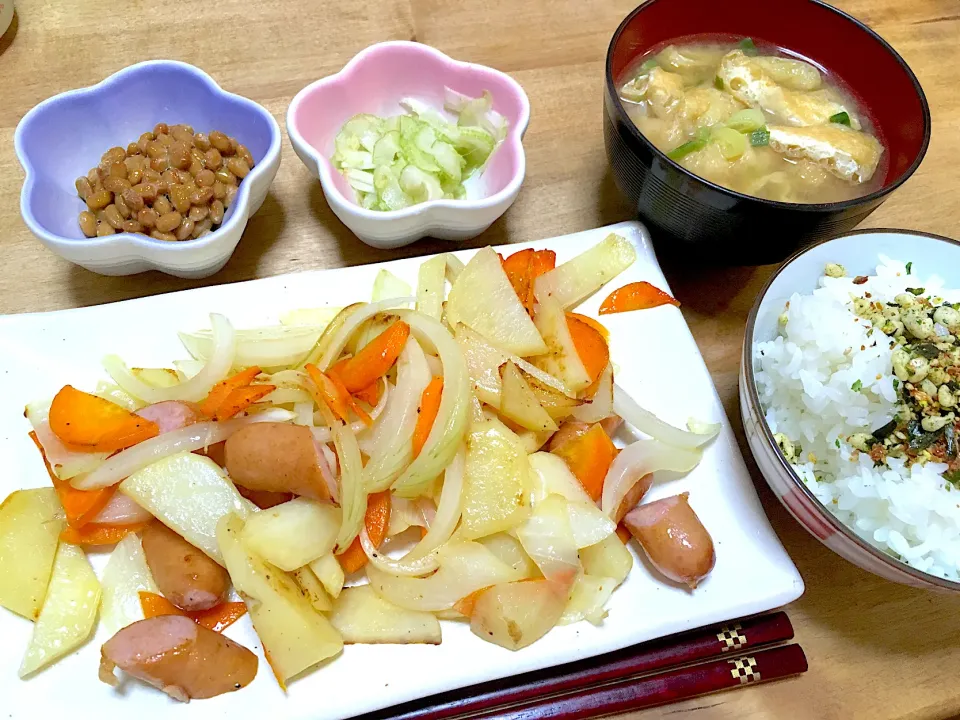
(658, 363)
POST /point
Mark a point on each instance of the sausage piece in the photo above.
(170, 414)
(674, 539)
(186, 576)
(572, 429)
(278, 457)
(174, 654)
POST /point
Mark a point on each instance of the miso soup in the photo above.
(757, 121)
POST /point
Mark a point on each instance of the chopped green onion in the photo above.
(746, 121)
(916, 291)
(648, 65)
(718, 82)
(841, 118)
(909, 267)
(759, 138)
(837, 443)
(732, 144)
(698, 143)
(857, 386)
(392, 163)
(896, 383)
(748, 46)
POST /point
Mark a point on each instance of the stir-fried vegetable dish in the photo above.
(353, 475)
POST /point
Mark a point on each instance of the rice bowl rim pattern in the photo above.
(919, 576)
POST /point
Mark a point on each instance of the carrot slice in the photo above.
(636, 296)
(466, 605)
(595, 324)
(240, 399)
(427, 413)
(370, 394)
(92, 424)
(376, 520)
(375, 359)
(519, 270)
(93, 534)
(219, 617)
(330, 393)
(543, 261)
(80, 506)
(589, 457)
(221, 391)
(154, 605)
(590, 345)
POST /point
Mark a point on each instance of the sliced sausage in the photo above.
(174, 654)
(572, 429)
(171, 414)
(674, 539)
(278, 457)
(186, 576)
(264, 499)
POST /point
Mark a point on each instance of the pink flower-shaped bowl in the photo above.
(374, 82)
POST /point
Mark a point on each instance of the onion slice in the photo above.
(451, 424)
(186, 439)
(332, 347)
(405, 567)
(448, 510)
(122, 510)
(353, 499)
(548, 539)
(649, 424)
(601, 406)
(637, 460)
(194, 389)
(390, 442)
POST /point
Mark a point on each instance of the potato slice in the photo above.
(293, 533)
(295, 637)
(482, 298)
(361, 616)
(69, 610)
(589, 271)
(519, 403)
(330, 573)
(312, 589)
(189, 493)
(124, 576)
(587, 598)
(496, 481)
(561, 360)
(30, 525)
(607, 558)
(508, 550)
(514, 615)
(431, 286)
(387, 286)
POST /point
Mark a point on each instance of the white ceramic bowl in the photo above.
(859, 253)
(374, 82)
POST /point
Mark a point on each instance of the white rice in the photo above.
(805, 378)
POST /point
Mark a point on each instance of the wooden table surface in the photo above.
(876, 650)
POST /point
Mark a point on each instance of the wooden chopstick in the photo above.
(661, 688)
(727, 640)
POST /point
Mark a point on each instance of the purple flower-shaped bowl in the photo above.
(63, 137)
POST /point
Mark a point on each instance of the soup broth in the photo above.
(759, 122)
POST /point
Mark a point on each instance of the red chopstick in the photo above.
(728, 640)
(660, 689)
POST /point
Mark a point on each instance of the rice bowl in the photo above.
(827, 385)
